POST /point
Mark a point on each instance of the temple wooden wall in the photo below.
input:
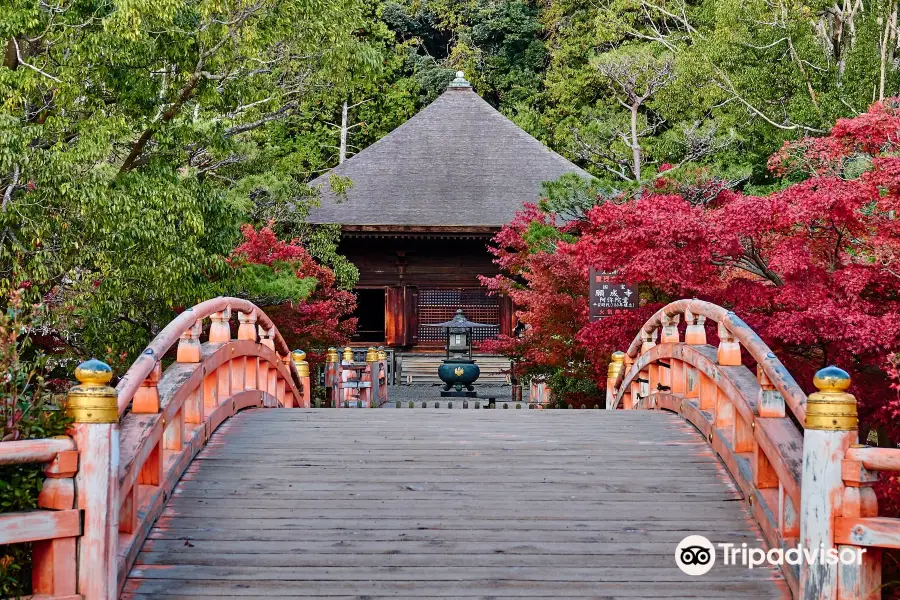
(411, 270)
(431, 263)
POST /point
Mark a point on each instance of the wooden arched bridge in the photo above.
(169, 488)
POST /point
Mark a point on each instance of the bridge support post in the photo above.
(831, 427)
(93, 406)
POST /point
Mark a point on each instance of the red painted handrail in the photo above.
(145, 363)
(107, 483)
(809, 485)
(34, 451)
(783, 381)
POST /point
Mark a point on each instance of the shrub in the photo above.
(28, 410)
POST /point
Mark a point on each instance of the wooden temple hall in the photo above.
(426, 200)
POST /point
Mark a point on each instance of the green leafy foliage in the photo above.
(137, 137)
(28, 410)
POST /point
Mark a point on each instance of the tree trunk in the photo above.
(342, 156)
(635, 146)
(887, 42)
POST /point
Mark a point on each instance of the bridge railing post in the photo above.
(247, 327)
(370, 395)
(220, 326)
(382, 376)
(831, 427)
(646, 378)
(729, 351)
(189, 344)
(695, 332)
(298, 357)
(670, 329)
(332, 376)
(349, 392)
(613, 372)
(94, 408)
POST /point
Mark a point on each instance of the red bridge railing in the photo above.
(108, 483)
(796, 459)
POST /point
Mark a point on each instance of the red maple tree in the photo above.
(321, 320)
(813, 268)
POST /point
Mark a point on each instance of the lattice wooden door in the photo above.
(437, 306)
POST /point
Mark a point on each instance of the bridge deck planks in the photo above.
(425, 503)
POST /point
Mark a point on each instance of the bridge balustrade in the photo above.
(795, 459)
(130, 445)
(356, 385)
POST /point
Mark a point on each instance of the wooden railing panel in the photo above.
(872, 532)
(741, 333)
(53, 531)
(90, 533)
(33, 526)
(154, 456)
(248, 314)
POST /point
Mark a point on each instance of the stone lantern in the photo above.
(459, 368)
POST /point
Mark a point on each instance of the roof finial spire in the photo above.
(460, 82)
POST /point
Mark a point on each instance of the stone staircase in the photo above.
(422, 368)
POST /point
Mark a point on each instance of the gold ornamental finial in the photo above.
(371, 354)
(382, 353)
(332, 355)
(348, 354)
(298, 357)
(616, 364)
(831, 408)
(92, 400)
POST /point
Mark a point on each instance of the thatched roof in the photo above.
(458, 162)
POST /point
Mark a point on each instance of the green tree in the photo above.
(136, 138)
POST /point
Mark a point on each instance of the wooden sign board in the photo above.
(610, 296)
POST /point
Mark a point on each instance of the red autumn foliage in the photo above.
(813, 268)
(540, 283)
(314, 324)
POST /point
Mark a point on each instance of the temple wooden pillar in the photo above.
(507, 316)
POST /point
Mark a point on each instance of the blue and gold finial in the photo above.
(616, 364)
(298, 357)
(92, 400)
(831, 408)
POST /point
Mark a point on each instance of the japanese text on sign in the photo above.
(610, 297)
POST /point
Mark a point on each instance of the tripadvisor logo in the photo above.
(696, 555)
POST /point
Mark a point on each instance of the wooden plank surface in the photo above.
(448, 504)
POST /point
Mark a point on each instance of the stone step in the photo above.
(423, 369)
